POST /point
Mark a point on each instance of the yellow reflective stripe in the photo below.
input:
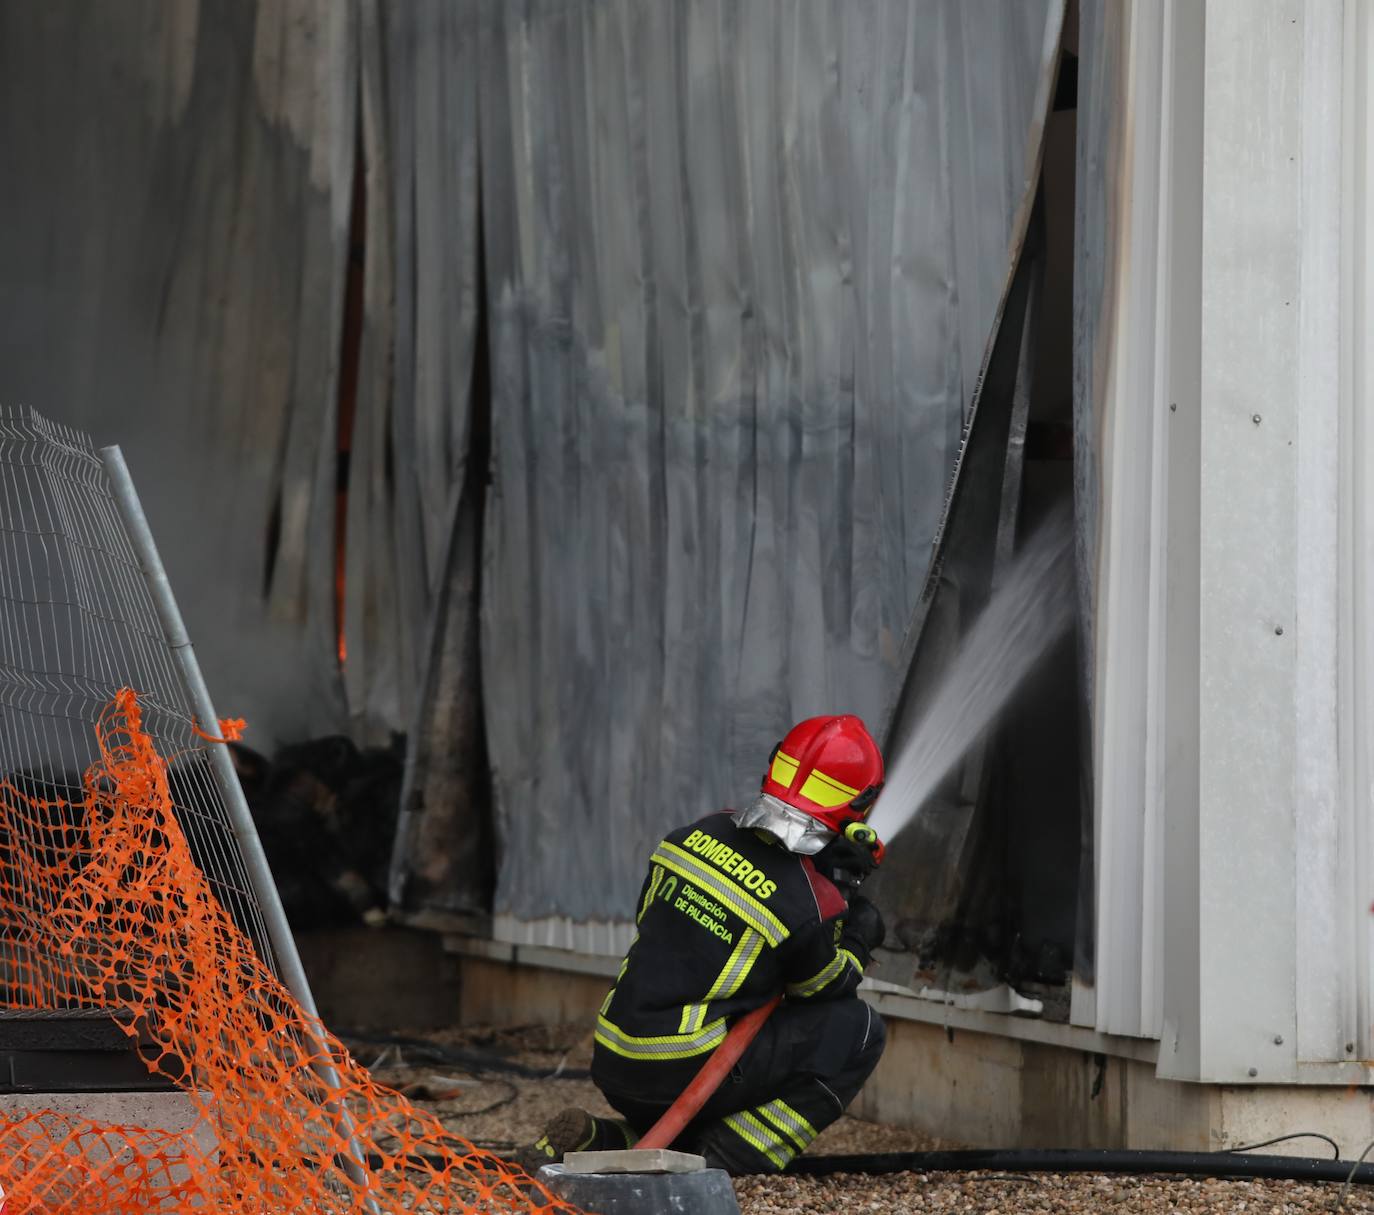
(853, 960)
(654, 879)
(785, 1118)
(728, 982)
(824, 792)
(760, 1137)
(838, 785)
(740, 901)
(784, 769)
(822, 978)
(664, 1046)
(738, 967)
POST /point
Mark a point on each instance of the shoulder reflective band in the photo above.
(822, 978)
(763, 1139)
(738, 900)
(665, 1046)
(731, 977)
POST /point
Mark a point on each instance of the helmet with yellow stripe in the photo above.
(829, 768)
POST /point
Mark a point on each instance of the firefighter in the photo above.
(736, 908)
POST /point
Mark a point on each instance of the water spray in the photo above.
(1031, 606)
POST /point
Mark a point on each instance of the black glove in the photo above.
(846, 863)
(864, 929)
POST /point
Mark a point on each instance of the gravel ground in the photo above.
(503, 1112)
(1077, 1193)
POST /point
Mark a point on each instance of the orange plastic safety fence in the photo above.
(102, 907)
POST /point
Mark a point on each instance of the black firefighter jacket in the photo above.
(726, 920)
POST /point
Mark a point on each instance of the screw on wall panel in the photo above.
(1254, 1071)
(1255, 418)
(1173, 406)
(1278, 630)
(1278, 1039)
(1349, 1048)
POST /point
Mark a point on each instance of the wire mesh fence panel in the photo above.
(77, 624)
(123, 892)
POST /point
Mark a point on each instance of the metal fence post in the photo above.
(236, 805)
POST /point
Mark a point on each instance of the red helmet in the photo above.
(829, 768)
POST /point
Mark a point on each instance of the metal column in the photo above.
(288, 960)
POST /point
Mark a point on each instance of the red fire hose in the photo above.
(706, 1081)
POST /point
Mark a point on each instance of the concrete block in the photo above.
(634, 1160)
(705, 1192)
(173, 1112)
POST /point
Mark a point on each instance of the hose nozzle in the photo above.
(864, 836)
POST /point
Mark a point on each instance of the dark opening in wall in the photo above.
(986, 883)
(445, 871)
(346, 403)
(1037, 766)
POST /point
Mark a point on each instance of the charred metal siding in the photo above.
(743, 262)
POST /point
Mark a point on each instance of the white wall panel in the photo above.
(1252, 144)
(1322, 917)
(1232, 586)
(1129, 626)
(1355, 847)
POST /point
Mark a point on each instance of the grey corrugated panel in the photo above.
(736, 255)
(176, 189)
(419, 129)
(743, 260)
(427, 102)
(175, 262)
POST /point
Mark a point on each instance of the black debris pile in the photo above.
(326, 813)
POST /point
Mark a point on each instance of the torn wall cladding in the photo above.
(741, 265)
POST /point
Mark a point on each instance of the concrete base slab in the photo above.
(380, 978)
(982, 1090)
(165, 1110)
(704, 1192)
(634, 1160)
(170, 1111)
(1008, 1083)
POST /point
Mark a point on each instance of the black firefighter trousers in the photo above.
(807, 1064)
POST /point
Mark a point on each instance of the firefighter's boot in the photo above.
(575, 1130)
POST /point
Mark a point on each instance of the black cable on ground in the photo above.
(1250, 1147)
(1048, 1160)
